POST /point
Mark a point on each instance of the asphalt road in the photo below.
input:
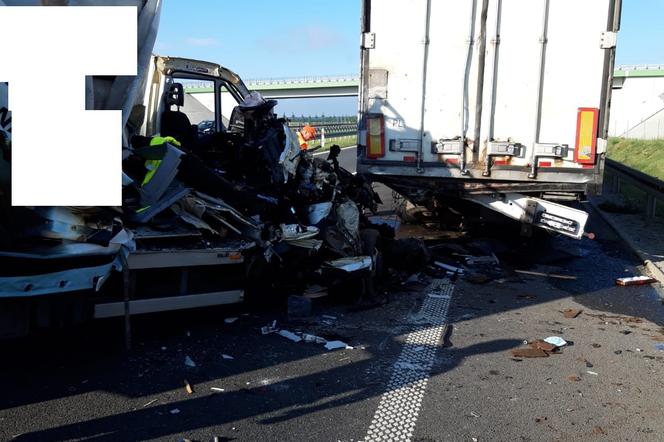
(79, 383)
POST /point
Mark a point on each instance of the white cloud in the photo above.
(310, 37)
(202, 41)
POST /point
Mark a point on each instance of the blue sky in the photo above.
(293, 38)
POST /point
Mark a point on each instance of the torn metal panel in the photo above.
(351, 264)
(290, 157)
(318, 212)
(154, 189)
(90, 278)
(60, 251)
(172, 195)
(311, 243)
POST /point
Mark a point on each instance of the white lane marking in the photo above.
(399, 406)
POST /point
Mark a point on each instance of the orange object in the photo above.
(308, 132)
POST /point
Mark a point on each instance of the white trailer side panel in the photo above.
(457, 82)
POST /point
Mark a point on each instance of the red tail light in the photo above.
(375, 136)
(586, 135)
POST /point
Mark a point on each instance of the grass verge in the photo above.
(646, 156)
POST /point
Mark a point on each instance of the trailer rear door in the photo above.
(512, 90)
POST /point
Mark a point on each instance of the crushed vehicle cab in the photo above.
(207, 216)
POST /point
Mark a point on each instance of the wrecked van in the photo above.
(208, 217)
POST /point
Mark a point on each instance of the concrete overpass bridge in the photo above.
(304, 87)
(638, 95)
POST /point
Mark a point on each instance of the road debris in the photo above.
(597, 430)
(659, 347)
(230, 320)
(529, 353)
(448, 267)
(189, 362)
(592, 373)
(175, 411)
(149, 403)
(635, 280)
(556, 340)
(217, 389)
(546, 275)
(573, 378)
(228, 357)
(187, 387)
(267, 329)
(543, 345)
(571, 313)
(289, 335)
(313, 339)
(334, 345)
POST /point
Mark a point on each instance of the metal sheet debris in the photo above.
(635, 280)
(289, 335)
(334, 345)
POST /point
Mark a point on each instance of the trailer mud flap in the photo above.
(538, 212)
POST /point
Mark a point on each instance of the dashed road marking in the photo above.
(399, 406)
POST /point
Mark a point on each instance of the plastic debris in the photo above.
(592, 373)
(272, 328)
(333, 345)
(149, 403)
(556, 340)
(573, 378)
(217, 389)
(189, 362)
(313, 338)
(229, 357)
(289, 335)
(175, 411)
(330, 317)
(635, 280)
(448, 267)
(230, 320)
(659, 347)
(187, 386)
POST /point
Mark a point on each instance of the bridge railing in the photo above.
(332, 130)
